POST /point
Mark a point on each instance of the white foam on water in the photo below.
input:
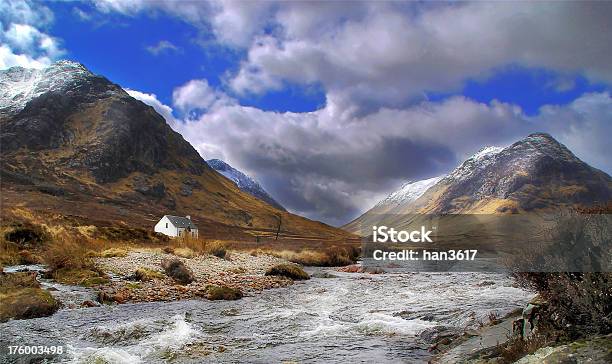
(380, 323)
(103, 355)
(179, 334)
(327, 329)
(375, 324)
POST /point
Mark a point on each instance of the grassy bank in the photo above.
(21, 297)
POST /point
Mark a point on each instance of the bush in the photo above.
(113, 252)
(79, 277)
(292, 271)
(9, 252)
(67, 252)
(145, 274)
(178, 271)
(578, 303)
(27, 235)
(223, 293)
(216, 248)
(183, 252)
(341, 256)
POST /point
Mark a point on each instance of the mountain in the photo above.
(77, 149)
(243, 181)
(535, 173)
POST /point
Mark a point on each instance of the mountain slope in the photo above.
(535, 173)
(77, 147)
(244, 182)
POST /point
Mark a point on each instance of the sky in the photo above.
(333, 105)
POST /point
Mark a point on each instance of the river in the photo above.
(353, 317)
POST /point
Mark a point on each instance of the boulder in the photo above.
(22, 297)
(292, 271)
(223, 293)
(354, 268)
(178, 271)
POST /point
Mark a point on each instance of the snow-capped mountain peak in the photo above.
(19, 85)
(244, 182)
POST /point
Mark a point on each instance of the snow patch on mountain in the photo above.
(479, 161)
(19, 85)
(409, 192)
(244, 182)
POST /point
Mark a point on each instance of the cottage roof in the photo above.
(181, 222)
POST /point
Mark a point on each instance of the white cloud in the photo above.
(235, 22)
(9, 59)
(584, 125)
(81, 14)
(232, 22)
(163, 46)
(128, 7)
(197, 94)
(23, 40)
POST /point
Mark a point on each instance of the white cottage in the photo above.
(177, 226)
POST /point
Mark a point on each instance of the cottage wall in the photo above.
(165, 227)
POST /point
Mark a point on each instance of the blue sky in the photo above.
(332, 105)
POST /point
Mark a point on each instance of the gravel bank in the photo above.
(238, 270)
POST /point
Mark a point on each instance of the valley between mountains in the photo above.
(87, 171)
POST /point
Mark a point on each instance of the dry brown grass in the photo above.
(113, 252)
(70, 261)
(194, 244)
(217, 248)
(189, 247)
(9, 252)
(76, 246)
(328, 257)
(183, 252)
(68, 251)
